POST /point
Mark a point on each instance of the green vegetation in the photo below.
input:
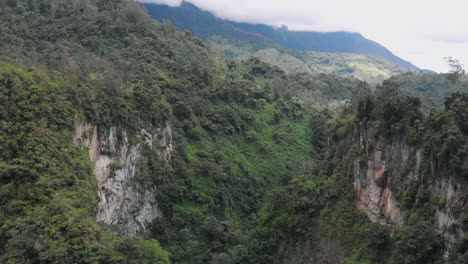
(432, 89)
(252, 177)
(319, 206)
(239, 128)
(373, 70)
(293, 52)
(204, 24)
(47, 196)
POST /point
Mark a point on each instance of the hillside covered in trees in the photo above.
(125, 140)
(342, 53)
(203, 24)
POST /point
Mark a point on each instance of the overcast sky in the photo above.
(420, 31)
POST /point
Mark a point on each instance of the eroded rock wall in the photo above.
(373, 177)
(383, 172)
(115, 160)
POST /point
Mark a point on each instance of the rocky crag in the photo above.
(115, 157)
(391, 176)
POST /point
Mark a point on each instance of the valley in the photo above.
(124, 139)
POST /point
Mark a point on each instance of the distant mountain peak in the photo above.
(205, 24)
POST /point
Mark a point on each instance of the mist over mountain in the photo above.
(346, 42)
(203, 24)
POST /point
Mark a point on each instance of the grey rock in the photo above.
(115, 160)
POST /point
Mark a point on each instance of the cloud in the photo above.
(448, 38)
(431, 28)
(173, 3)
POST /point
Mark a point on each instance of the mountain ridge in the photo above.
(204, 24)
(125, 141)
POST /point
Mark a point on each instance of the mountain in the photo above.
(230, 41)
(370, 69)
(124, 140)
(344, 42)
(204, 25)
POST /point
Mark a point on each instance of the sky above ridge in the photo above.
(420, 31)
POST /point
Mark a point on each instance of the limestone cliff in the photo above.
(115, 160)
(386, 171)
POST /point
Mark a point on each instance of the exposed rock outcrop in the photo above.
(372, 184)
(385, 170)
(115, 161)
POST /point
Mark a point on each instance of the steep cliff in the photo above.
(406, 168)
(115, 158)
(245, 180)
(387, 172)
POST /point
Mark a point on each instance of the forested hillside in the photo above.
(108, 63)
(344, 42)
(405, 171)
(205, 25)
(340, 53)
(125, 140)
(431, 88)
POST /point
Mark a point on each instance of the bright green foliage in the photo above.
(248, 171)
(47, 196)
(442, 137)
(320, 206)
(317, 207)
(239, 131)
(217, 182)
(47, 193)
(150, 252)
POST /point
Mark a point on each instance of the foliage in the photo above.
(47, 198)
(416, 244)
(204, 25)
(430, 88)
(150, 252)
(248, 170)
(137, 74)
(442, 137)
(455, 69)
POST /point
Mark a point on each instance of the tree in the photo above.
(455, 69)
(416, 244)
(150, 252)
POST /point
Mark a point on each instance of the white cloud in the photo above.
(421, 31)
(165, 2)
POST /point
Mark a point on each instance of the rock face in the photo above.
(115, 161)
(388, 169)
(371, 183)
(452, 193)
